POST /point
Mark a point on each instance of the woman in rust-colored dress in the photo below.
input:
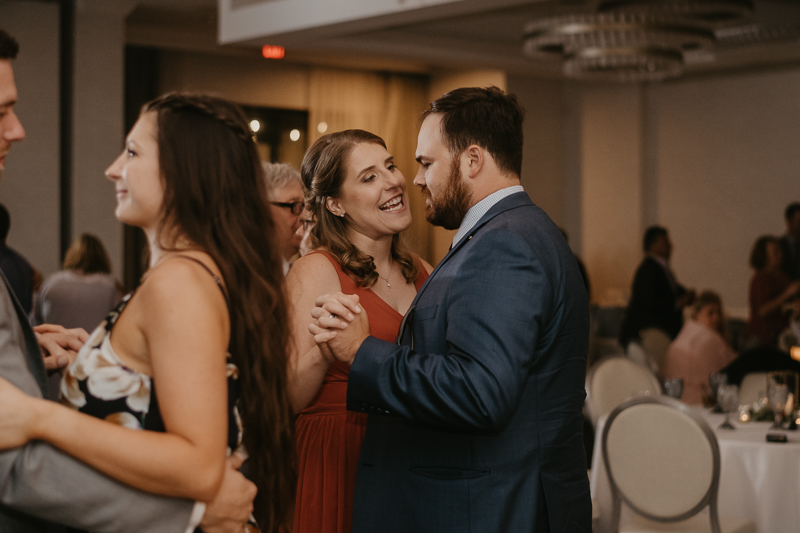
(359, 203)
(770, 289)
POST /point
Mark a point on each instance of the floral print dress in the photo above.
(99, 384)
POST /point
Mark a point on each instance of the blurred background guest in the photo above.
(22, 277)
(700, 349)
(657, 299)
(790, 243)
(80, 295)
(285, 195)
(581, 267)
(306, 223)
(770, 288)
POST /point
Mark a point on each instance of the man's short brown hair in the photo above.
(8, 46)
(487, 117)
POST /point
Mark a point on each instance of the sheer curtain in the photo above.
(388, 105)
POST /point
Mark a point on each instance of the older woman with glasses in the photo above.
(285, 195)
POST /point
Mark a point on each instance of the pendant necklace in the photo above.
(386, 279)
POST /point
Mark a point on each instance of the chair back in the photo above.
(662, 460)
(752, 384)
(614, 380)
(655, 343)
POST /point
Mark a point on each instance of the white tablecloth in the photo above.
(759, 480)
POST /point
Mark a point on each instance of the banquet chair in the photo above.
(651, 349)
(752, 384)
(613, 380)
(663, 462)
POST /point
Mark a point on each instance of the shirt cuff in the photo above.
(198, 511)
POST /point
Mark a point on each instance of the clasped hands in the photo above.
(59, 345)
(340, 326)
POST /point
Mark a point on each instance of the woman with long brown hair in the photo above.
(203, 341)
(359, 204)
(769, 291)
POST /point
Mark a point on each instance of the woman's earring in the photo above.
(342, 215)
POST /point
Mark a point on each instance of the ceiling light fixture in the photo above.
(630, 40)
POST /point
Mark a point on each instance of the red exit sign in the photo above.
(272, 52)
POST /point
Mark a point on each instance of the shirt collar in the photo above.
(477, 211)
(658, 259)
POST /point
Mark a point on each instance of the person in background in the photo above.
(285, 195)
(21, 276)
(790, 242)
(306, 223)
(40, 485)
(700, 349)
(657, 299)
(80, 295)
(770, 290)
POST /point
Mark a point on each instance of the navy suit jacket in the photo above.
(475, 414)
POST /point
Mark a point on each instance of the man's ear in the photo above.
(473, 158)
(334, 206)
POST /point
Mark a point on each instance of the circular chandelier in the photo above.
(630, 40)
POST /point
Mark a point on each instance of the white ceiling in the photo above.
(480, 36)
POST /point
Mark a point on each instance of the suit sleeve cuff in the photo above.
(198, 511)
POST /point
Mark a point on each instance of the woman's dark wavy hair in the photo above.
(214, 194)
(758, 255)
(324, 170)
(87, 254)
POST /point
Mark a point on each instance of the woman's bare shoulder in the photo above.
(312, 272)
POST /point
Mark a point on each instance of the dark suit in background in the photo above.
(484, 390)
(791, 256)
(653, 302)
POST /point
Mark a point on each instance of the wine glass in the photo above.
(728, 400)
(716, 381)
(778, 396)
(673, 387)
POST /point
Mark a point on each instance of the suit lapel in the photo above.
(509, 202)
(32, 351)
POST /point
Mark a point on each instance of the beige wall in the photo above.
(29, 187)
(255, 81)
(713, 159)
(31, 183)
(98, 129)
(612, 189)
(727, 163)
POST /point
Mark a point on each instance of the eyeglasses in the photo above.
(295, 207)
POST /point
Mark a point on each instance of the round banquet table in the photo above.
(759, 480)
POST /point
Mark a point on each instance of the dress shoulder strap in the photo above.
(216, 278)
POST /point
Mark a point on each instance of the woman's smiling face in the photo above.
(373, 195)
(137, 176)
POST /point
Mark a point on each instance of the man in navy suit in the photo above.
(657, 299)
(475, 413)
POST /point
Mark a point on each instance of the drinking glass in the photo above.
(728, 400)
(792, 381)
(716, 381)
(673, 387)
(778, 395)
